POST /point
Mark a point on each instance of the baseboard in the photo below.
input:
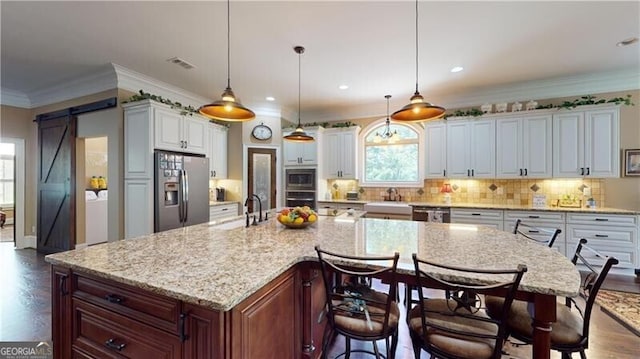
(81, 245)
(29, 242)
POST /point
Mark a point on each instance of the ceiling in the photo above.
(508, 49)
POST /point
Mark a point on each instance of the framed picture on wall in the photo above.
(632, 162)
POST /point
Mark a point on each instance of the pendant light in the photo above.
(390, 137)
(228, 108)
(417, 109)
(298, 135)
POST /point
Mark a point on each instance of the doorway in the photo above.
(261, 174)
(13, 175)
(92, 173)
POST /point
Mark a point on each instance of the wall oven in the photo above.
(300, 187)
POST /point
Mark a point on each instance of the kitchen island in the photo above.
(207, 292)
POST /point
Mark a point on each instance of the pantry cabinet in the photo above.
(524, 147)
(586, 143)
(340, 152)
(471, 149)
(300, 153)
(436, 149)
(217, 152)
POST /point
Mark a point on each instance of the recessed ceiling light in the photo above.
(343, 87)
(626, 42)
(269, 98)
(457, 69)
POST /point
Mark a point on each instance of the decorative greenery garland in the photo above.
(184, 110)
(584, 100)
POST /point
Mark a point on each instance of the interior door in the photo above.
(56, 184)
(262, 177)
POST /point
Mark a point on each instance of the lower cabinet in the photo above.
(486, 217)
(613, 235)
(99, 318)
(540, 219)
(222, 211)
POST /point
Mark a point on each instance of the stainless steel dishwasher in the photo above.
(431, 214)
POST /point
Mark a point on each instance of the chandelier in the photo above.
(390, 137)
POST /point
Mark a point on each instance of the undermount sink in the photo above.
(388, 207)
(230, 224)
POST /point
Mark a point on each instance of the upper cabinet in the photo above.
(217, 151)
(340, 153)
(436, 149)
(587, 143)
(471, 149)
(175, 132)
(524, 147)
(301, 153)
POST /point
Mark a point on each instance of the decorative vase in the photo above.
(501, 107)
(486, 108)
(516, 107)
(532, 105)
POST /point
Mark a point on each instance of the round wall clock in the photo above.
(261, 132)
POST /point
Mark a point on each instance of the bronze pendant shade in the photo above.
(418, 110)
(298, 135)
(228, 108)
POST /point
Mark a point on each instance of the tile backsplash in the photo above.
(486, 191)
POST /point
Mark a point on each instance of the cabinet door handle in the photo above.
(186, 144)
(602, 236)
(111, 344)
(521, 172)
(534, 217)
(533, 231)
(472, 174)
(525, 172)
(225, 209)
(468, 173)
(444, 173)
(582, 171)
(112, 298)
(63, 282)
(214, 174)
(183, 336)
(588, 170)
(602, 219)
(476, 214)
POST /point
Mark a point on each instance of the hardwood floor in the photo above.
(25, 311)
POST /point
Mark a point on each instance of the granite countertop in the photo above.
(603, 210)
(218, 268)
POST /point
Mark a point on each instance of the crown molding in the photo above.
(14, 98)
(134, 81)
(99, 81)
(579, 85)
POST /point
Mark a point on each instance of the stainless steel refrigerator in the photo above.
(182, 190)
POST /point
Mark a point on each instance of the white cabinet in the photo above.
(217, 151)
(471, 149)
(485, 217)
(524, 147)
(436, 149)
(610, 234)
(544, 219)
(340, 152)
(300, 153)
(175, 132)
(220, 211)
(587, 143)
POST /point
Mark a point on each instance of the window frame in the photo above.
(377, 125)
(10, 158)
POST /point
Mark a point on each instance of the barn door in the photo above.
(56, 184)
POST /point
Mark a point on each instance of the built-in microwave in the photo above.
(300, 179)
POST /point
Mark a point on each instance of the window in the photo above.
(7, 160)
(392, 163)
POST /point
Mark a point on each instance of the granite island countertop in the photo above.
(218, 268)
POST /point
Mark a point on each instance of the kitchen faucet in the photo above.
(393, 194)
(250, 198)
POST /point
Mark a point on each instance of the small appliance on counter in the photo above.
(220, 194)
(353, 195)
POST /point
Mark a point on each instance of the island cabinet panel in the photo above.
(61, 312)
(267, 324)
(204, 333)
(313, 306)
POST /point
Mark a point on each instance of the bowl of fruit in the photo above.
(297, 217)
